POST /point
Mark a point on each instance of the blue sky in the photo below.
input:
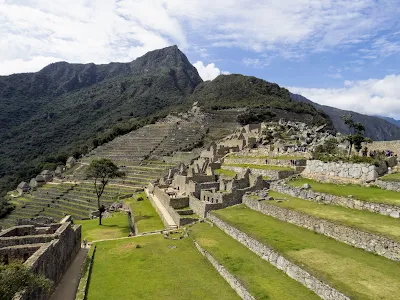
(336, 52)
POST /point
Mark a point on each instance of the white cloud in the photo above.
(208, 72)
(372, 96)
(120, 30)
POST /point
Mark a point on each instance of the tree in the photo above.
(102, 170)
(356, 136)
(15, 277)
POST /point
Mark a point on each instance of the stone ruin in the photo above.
(198, 187)
(46, 249)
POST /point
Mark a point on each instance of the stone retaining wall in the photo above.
(354, 237)
(265, 161)
(380, 208)
(272, 174)
(293, 271)
(232, 280)
(388, 185)
(340, 172)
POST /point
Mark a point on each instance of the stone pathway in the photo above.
(66, 289)
(160, 207)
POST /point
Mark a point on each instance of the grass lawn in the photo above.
(262, 167)
(160, 269)
(262, 279)
(113, 227)
(372, 194)
(391, 177)
(146, 218)
(355, 272)
(359, 219)
(225, 172)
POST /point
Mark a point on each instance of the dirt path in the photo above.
(66, 289)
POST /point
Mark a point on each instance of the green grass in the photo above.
(114, 227)
(263, 280)
(288, 157)
(356, 273)
(372, 194)
(224, 172)
(359, 219)
(262, 167)
(146, 217)
(391, 177)
(266, 178)
(160, 269)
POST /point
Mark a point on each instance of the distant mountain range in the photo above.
(391, 120)
(376, 128)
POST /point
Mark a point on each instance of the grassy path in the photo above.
(261, 279)
(371, 194)
(391, 177)
(159, 269)
(114, 227)
(146, 218)
(360, 219)
(354, 272)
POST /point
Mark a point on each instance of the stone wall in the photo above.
(201, 208)
(232, 280)
(388, 185)
(264, 161)
(393, 146)
(380, 208)
(150, 197)
(272, 174)
(322, 289)
(52, 259)
(340, 172)
(354, 237)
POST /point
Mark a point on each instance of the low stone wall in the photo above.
(340, 172)
(388, 185)
(393, 146)
(354, 237)
(81, 293)
(322, 289)
(380, 208)
(265, 161)
(272, 174)
(201, 208)
(232, 280)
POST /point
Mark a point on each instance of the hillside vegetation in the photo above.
(59, 110)
(266, 101)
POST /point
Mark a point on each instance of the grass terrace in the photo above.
(114, 227)
(371, 194)
(359, 219)
(261, 167)
(224, 172)
(159, 269)
(281, 157)
(355, 272)
(391, 177)
(146, 217)
(262, 279)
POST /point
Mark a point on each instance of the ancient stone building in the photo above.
(47, 249)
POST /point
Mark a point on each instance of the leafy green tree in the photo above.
(356, 136)
(102, 170)
(15, 277)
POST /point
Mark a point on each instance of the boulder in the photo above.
(306, 186)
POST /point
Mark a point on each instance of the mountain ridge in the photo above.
(376, 128)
